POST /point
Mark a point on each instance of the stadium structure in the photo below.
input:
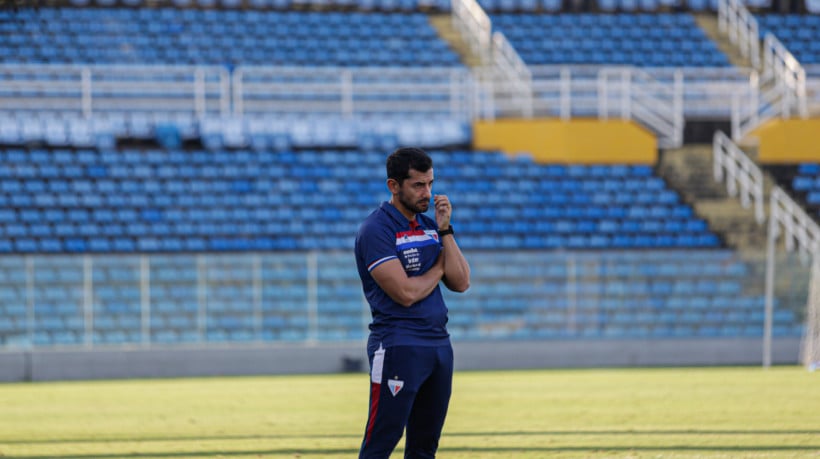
(635, 182)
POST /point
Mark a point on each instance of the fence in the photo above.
(349, 92)
(309, 297)
(732, 166)
(659, 99)
(88, 90)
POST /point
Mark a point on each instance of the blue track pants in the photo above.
(410, 388)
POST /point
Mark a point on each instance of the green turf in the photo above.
(640, 413)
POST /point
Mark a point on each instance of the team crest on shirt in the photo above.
(395, 386)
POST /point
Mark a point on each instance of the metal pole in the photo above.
(312, 297)
(88, 301)
(769, 306)
(85, 78)
(201, 296)
(145, 299)
(566, 89)
(30, 317)
(256, 267)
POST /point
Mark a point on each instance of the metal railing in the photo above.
(597, 92)
(146, 300)
(353, 91)
(779, 87)
(511, 80)
(214, 92)
(474, 25)
(789, 75)
(779, 91)
(656, 98)
(637, 95)
(741, 27)
(735, 168)
(91, 89)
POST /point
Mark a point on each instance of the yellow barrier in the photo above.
(789, 141)
(584, 141)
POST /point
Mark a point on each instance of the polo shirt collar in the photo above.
(395, 214)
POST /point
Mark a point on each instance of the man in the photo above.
(402, 255)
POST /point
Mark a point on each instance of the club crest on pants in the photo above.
(395, 386)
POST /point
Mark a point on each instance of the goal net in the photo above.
(811, 340)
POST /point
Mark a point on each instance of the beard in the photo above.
(417, 207)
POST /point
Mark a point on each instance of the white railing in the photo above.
(515, 77)
(741, 26)
(87, 90)
(571, 91)
(812, 88)
(630, 93)
(736, 169)
(353, 91)
(601, 92)
(214, 92)
(779, 90)
(788, 73)
(474, 25)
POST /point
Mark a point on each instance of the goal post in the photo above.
(801, 234)
(811, 339)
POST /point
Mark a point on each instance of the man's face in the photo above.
(416, 190)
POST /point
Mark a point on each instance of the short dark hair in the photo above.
(402, 160)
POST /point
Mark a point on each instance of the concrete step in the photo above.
(709, 24)
(689, 170)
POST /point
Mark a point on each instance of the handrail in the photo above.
(786, 70)
(741, 27)
(90, 89)
(474, 24)
(200, 92)
(638, 95)
(779, 90)
(514, 72)
(734, 167)
(801, 232)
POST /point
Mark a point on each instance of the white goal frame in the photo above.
(800, 233)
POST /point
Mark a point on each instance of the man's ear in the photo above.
(393, 185)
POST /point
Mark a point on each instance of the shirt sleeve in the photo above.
(377, 244)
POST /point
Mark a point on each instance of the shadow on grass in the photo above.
(321, 452)
(318, 451)
(513, 433)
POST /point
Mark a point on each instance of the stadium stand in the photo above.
(265, 298)
(188, 205)
(64, 201)
(803, 181)
(170, 36)
(245, 236)
(798, 32)
(645, 40)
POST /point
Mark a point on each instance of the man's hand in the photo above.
(443, 210)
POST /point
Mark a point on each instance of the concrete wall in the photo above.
(580, 140)
(50, 365)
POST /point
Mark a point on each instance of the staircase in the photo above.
(443, 23)
(689, 170)
(709, 24)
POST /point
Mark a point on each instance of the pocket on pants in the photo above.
(378, 366)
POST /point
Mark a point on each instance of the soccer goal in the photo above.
(800, 234)
(811, 340)
(788, 226)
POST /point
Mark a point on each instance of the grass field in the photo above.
(635, 413)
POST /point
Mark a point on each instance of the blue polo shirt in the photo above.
(386, 235)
